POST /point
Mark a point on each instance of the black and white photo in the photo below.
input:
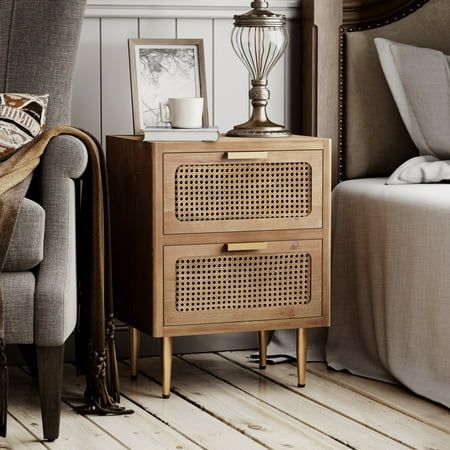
(163, 69)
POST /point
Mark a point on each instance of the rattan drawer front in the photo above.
(215, 192)
(208, 284)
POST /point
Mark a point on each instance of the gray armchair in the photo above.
(38, 43)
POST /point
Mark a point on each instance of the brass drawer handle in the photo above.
(247, 155)
(245, 246)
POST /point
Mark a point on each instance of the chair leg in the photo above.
(50, 362)
(262, 341)
(28, 352)
(135, 338)
(301, 356)
(166, 359)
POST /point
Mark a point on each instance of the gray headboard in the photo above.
(373, 139)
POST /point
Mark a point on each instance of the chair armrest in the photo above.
(65, 159)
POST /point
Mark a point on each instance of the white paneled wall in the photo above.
(102, 93)
(86, 91)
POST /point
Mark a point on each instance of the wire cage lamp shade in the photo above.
(259, 39)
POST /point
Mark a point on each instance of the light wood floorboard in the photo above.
(77, 432)
(396, 397)
(139, 430)
(19, 438)
(240, 410)
(360, 408)
(346, 431)
(182, 415)
(224, 401)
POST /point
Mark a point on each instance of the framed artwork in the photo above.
(161, 69)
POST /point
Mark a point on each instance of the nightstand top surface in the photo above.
(294, 142)
(226, 139)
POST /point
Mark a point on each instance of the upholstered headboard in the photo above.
(373, 139)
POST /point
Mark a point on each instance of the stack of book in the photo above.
(165, 134)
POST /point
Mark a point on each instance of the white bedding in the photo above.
(391, 284)
(421, 169)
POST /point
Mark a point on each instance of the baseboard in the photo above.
(186, 344)
(151, 346)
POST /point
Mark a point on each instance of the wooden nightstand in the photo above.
(220, 237)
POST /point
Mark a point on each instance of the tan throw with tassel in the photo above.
(102, 391)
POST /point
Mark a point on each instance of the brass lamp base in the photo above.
(253, 129)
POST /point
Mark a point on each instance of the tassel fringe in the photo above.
(98, 400)
(3, 389)
(112, 372)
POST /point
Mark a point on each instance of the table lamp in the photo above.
(259, 39)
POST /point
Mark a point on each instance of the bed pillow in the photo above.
(22, 118)
(419, 79)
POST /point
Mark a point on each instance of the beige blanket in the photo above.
(391, 284)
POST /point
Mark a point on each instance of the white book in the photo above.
(164, 134)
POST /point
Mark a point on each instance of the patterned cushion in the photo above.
(22, 117)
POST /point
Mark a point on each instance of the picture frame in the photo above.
(164, 68)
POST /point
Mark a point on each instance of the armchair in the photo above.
(38, 43)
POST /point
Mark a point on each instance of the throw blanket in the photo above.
(102, 390)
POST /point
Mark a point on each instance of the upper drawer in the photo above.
(242, 191)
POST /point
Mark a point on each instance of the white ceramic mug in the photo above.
(183, 112)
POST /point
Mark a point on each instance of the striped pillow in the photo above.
(22, 118)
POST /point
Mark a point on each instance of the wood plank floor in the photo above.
(223, 401)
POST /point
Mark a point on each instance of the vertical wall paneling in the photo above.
(202, 29)
(116, 88)
(157, 28)
(230, 79)
(86, 112)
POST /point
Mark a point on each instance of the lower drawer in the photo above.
(217, 283)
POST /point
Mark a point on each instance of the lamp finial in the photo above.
(259, 4)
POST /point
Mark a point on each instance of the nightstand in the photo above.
(220, 237)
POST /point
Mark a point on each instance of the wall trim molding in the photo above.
(194, 9)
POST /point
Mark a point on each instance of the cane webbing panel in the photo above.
(243, 282)
(240, 191)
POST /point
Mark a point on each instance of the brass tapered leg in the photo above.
(262, 340)
(135, 338)
(301, 356)
(166, 360)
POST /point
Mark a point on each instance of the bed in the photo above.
(391, 244)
